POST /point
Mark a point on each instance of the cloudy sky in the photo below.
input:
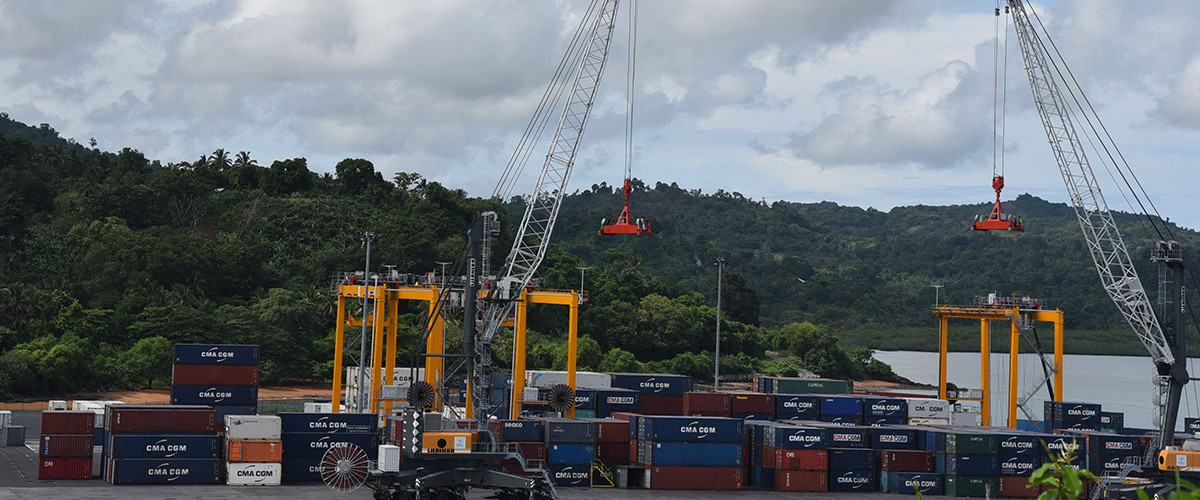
(861, 102)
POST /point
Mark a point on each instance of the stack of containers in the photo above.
(797, 407)
(585, 402)
(527, 435)
(691, 453)
(971, 463)
(752, 406)
(253, 450)
(662, 394)
(845, 410)
(617, 400)
(923, 411)
(1072, 416)
(612, 441)
(222, 376)
(65, 447)
(1112, 421)
(884, 411)
(570, 448)
(307, 436)
(1107, 452)
(797, 457)
(96, 407)
(708, 404)
(852, 462)
(757, 473)
(1019, 454)
(162, 445)
(796, 385)
(903, 467)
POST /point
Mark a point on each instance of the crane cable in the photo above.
(995, 77)
(630, 89)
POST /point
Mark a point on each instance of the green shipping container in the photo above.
(966, 443)
(812, 386)
(972, 486)
(585, 413)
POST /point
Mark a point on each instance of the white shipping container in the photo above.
(252, 427)
(253, 474)
(389, 458)
(318, 407)
(927, 408)
(57, 405)
(5, 418)
(929, 421)
(971, 419)
(592, 380)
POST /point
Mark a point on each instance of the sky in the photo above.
(860, 102)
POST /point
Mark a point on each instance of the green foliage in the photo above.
(1058, 479)
(619, 360)
(148, 360)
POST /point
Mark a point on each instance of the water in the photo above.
(1118, 383)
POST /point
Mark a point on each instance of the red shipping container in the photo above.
(161, 419)
(695, 478)
(752, 402)
(633, 451)
(534, 451)
(68, 422)
(214, 375)
(620, 415)
(659, 404)
(801, 480)
(801, 459)
(64, 468)
(906, 460)
(715, 404)
(612, 453)
(766, 457)
(612, 431)
(1017, 487)
(66, 445)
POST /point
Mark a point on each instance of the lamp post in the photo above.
(443, 264)
(937, 289)
(720, 263)
(361, 397)
(581, 270)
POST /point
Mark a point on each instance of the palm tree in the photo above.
(244, 160)
(220, 160)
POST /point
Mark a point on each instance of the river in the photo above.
(1118, 383)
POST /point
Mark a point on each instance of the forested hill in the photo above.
(107, 258)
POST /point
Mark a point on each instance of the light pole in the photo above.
(361, 397)
(443, 264)
(581, 270)
(720, 262)
(937, 289)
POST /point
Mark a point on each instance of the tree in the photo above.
(287, 177)
(358, 176)
(243, 160)
(149, 359)
(219, 159)
(619, 360)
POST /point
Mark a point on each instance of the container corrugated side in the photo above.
(571, 475)
(852, 480)
(570, 453)
(254, 450)
(66, 445)
(160, 419)
(690, 429)
(214, 374)
(64, 468)
(801, 480)
(696, 454)
(330, 423)
(695, 478)
(653, 383)
(908, 483)
(521, 430)
(68, 422)
(655, 404)
(252, 427)
(707, 403)
(797, 406)
(160, 446)
(214, 395)
(172, 471)
(315, 444)
(253, 474)
(215, 354)
(971, 486)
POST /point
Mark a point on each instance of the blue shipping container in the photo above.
(841, 405)
(696, 454)
(1114, 420)
(653, 383)
(885, 407)
(571, 475)
(930, 440)
(164, 471)
(884, 438)
(971, 465)
(907, 483)
(315, 444)
(570, 431)
(797, 406)
(848, 437)
(301, 469)
(798, 438)
(570, 453)
(585, 399)
(215, 395)
(842, 419)
(753, 416)
(1104, 446)
(851, 479)
(234, 410)
(1100, 465)
(621, 400)
(1191, 425)
(691, 429)
(882, 421)
(522, 430)
(854, 458)
(216, 354)
(162, 446)
(1010, 445)
(1019, 465)
(1057, 444)
(330, 423)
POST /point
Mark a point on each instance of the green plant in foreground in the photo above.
(1184, 490)
(1061, 479)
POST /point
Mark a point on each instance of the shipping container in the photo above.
(254, 450)
(1059, 444)
(1191, 425)
(585, 399)
(1068, 415)
(253, 474)
(886, 438)
(1019, 465)
(783, 459)
(801, 480)
(1112, 421)
(613, 453)
(708, 403)
(928, 408)
(68, 422)
(657, 404)
(1009, 445)
(65, 468)
(797, 406)
(252, 427)
(790, 385)
(694, 478)
(330, 423)
(653, 383)
(171, 471)
(210, 354)
(906, 460)
(213, 395)
(1114, 463)
(537, 450)
(519, 430)
(612, 431)
(690, 429)
(852, 480)
(695, 454)
(235, 411)
(1017, 487)
(971, 465)
(162, 446)
(1111, 445)
(875, 406)
(315, 444)
(971, 443)
(14, 435)
(851, 458)
(570, 431)
(841, 406)
(570, 453)
(66, 445)
(971, 486)
(545, 378)
(571, 475)
(160, 419)
(907, 483)
(620, 400)
(749, 402)
(214, 374)
(842, 419)
(793, 437)
(301, 469)
(848, 437)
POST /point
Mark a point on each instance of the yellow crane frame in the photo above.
(986, 314)
(385, 332)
